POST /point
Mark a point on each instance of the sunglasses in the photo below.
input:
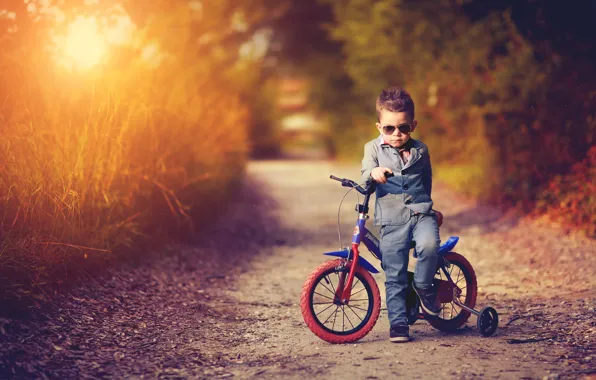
(403, 128)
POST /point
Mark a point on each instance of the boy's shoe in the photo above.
(429, 300)
(399, 333)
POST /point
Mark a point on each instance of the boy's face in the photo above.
(400, 121)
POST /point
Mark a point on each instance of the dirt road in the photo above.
(238, 316)
(534, 300)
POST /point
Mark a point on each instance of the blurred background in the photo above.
(119, 118)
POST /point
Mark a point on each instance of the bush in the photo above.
(93, 163)
(505, 101)
(569, 199)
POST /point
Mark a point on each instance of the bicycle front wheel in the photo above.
(328, 318)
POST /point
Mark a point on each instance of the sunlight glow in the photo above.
(257, 46)
(83, 46)
(119, 29)
(152, 55)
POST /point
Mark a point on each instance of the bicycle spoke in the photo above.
(331, 282)
(329, 290)
(353, 316)
(357, 316)
(322, 295)
(359, 308)
(317, 314)
(458, 278)
(335, 316)
(334, 313)
(348, 318)
(454, 274)
(457, 310)
(458, 274)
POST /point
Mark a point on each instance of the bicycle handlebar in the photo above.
(345, 182)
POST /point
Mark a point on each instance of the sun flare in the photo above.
(84, 45)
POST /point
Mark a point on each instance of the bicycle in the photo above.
(346, 285)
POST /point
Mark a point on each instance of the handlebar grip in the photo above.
(335, 178)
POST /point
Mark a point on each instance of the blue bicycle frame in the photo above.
(362, 234)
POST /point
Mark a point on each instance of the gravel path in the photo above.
(227, 306)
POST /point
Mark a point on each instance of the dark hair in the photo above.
(395, 99)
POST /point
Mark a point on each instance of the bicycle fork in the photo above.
(344, 287)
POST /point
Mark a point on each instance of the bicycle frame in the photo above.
(347, 268)
(363, 235)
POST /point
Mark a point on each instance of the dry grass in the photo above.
(92, 163)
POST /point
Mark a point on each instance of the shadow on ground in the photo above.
(161, 315)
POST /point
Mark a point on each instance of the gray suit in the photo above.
(403, 209)
(411, 187)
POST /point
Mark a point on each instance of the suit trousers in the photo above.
(395, 246)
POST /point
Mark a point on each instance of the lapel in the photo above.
(415, 155)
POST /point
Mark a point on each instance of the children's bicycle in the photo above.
(340, 300)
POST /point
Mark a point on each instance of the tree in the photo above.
(494, 101)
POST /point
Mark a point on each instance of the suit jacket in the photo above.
(408, 191)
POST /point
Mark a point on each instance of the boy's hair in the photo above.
(395, 99)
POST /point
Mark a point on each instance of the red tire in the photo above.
(452, 316)
(317, 305)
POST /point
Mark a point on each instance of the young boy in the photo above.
(403, 207)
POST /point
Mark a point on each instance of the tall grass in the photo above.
(93, 163)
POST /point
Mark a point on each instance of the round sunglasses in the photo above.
(403, 128)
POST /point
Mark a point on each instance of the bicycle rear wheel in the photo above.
(451, 317)
(326, 317)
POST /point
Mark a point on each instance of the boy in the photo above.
(403, 207)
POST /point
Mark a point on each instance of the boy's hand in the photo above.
(378, 174)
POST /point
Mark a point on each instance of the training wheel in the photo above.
(488, 320)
